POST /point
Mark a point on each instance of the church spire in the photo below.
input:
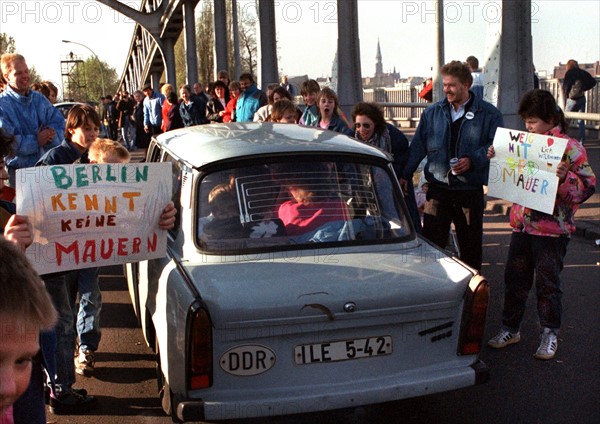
(378, 63)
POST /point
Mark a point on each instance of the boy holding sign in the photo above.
(539, 240)
(82, 128)
(81, 134)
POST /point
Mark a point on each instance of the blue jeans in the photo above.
(533, 258)
(60, 292)
(85, 281)
(128, 134)
(577, 105)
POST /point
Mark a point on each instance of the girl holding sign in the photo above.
(539, 241)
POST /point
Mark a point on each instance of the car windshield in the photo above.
(298, 204)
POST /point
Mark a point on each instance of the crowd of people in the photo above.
(454, 136)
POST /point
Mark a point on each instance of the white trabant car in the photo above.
(295, 282)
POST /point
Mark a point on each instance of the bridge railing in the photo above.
(403, 106)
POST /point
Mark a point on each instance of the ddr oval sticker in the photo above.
(247, 360)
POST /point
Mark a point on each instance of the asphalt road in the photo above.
(521, 389)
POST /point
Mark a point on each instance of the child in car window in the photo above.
(313, 205)
(224, 221)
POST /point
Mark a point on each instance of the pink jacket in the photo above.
(578, 186)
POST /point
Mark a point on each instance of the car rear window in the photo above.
(298, 204)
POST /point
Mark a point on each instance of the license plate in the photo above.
(343, 350)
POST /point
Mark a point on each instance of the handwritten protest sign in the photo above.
(94, 215)
(523, 170)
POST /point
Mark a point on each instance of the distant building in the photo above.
(323, 81)
(381, 79)
(410, 83)
(592, 68)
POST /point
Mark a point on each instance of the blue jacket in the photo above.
(193, 113)
(153, 110)
(433, 138)
(23, 117)
(65, 154)
(249, 102)
(337, 124)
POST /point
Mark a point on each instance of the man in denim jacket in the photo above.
(461, 126)
(27, 115)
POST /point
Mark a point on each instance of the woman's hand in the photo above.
(491, 152)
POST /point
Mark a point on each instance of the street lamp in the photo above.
(96, 56)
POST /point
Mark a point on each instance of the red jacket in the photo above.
(229, 115)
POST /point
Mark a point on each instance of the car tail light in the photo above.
(201, 365)
(474, 314)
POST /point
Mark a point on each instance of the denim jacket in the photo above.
(433, 139)
(337, 124)
(23, 116)
(194, 113)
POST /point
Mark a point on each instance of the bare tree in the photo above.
(180, 62)
(248, 47)
(205, 42)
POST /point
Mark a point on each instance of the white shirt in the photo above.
(458, 113)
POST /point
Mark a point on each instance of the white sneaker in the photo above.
(503, 339)
(548, 345)
(84, 363)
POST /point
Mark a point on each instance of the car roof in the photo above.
(203, 144)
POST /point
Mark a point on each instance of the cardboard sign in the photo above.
(523, 170)
(94, 214)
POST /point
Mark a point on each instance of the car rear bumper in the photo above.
(271, 402)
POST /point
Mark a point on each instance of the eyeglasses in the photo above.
(366, 126)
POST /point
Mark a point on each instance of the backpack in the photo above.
(584, 82)
(576, 90)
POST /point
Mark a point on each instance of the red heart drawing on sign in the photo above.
(550, 142)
